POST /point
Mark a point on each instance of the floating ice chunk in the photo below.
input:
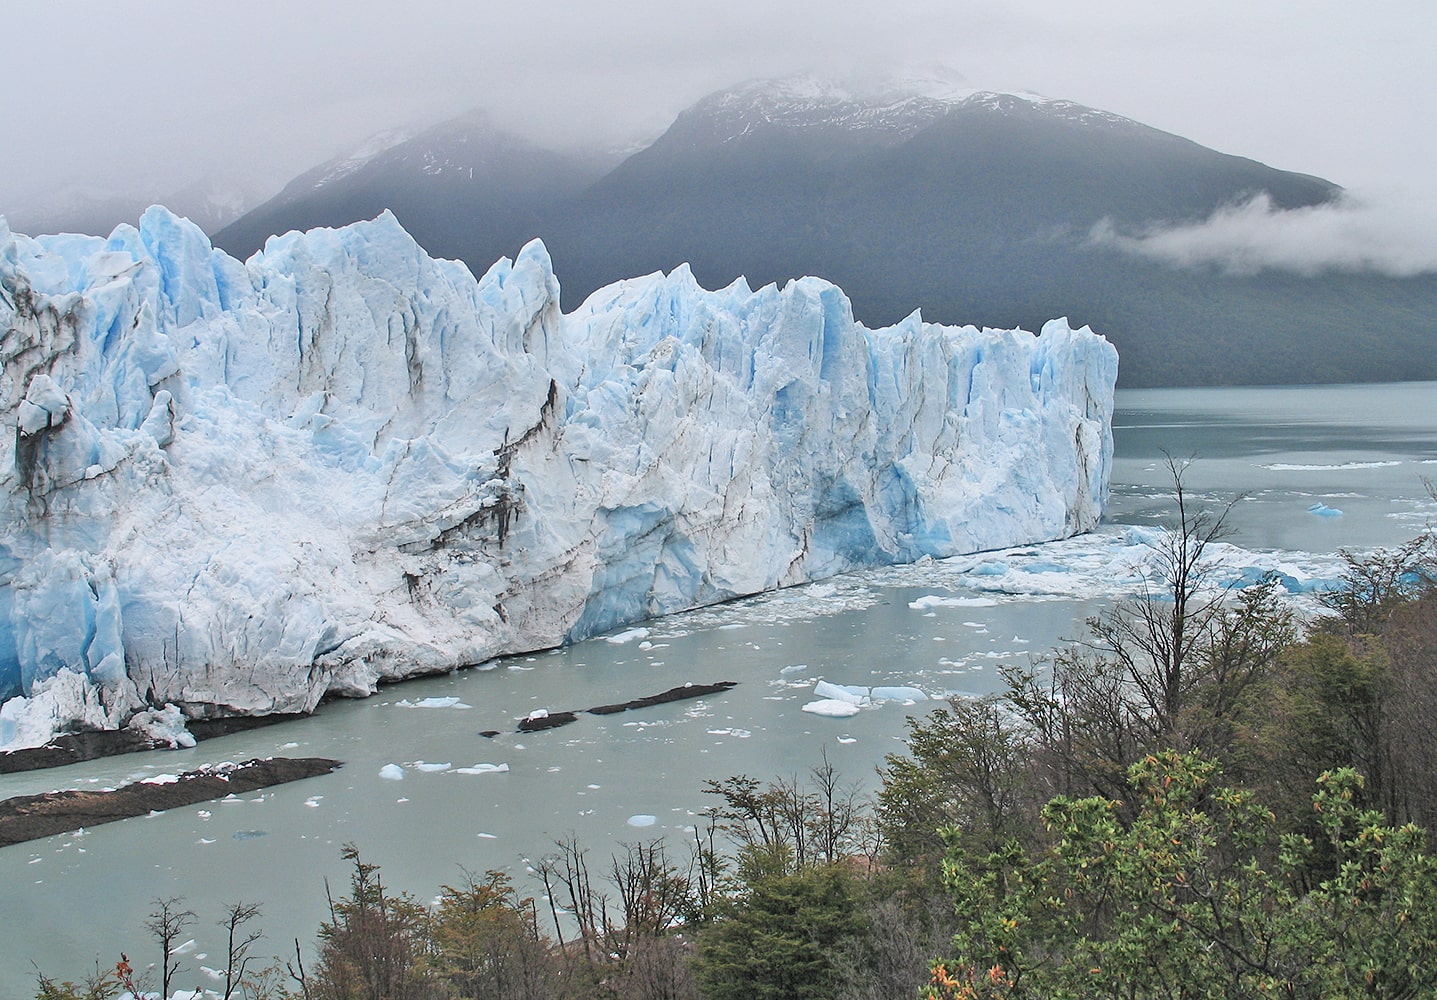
(628, 635)
(832, 708)
(483, 769)
(447, 702)
(936, 601)
(161, 779)
(1339, 467)
(845, 740)
(642, 820)
(840, 692)
(423, 766)
(391, 772)
(313, 801)
(537, 714)
(1322, 510)
(898, 693)
(794, 669)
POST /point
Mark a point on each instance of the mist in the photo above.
(1393, 234)
(147, 98)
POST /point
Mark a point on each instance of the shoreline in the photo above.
(93, 744)
(33, 817)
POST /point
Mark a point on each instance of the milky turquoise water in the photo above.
(1360, 450)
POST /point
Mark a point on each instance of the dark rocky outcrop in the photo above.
(683, 692)
(30, 817)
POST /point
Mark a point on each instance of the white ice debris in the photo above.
(936, 601)
(242, 486)
(166, 725)
(391, 772)
(861, 696)
(832, 707)
(447, 702)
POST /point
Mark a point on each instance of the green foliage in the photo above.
(1198, 896)
(369, 948)
(967, 767)
(778, 940)
(1375, 585)
(485, 943)
(97, 986)
(787, 827)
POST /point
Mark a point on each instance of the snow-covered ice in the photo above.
(237, 487)
(833, 708)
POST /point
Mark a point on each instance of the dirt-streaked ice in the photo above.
(236, 487)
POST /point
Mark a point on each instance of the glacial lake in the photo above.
(1319, 468)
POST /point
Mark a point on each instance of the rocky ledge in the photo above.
(30, 817)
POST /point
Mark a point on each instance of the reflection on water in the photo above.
(422, 793)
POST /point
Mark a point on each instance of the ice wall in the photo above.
(238, 487)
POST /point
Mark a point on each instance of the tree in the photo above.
(779, 938)
(368, 947)
(1199, 895)
(98, 985)
(166, 923)
(785, 828)
(237, 943)
(1171, 667)
(968, 766)
(1374, 585)
(486, 943)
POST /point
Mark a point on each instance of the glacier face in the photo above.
(238, 487)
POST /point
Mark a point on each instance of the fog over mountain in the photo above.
(144, 99)
(973, 206)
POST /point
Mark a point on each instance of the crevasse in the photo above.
(237, 487)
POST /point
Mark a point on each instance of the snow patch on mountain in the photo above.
(898, 106)
(237, 487)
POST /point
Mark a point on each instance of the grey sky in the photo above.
(161, 92)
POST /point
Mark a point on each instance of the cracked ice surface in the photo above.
(236, 487)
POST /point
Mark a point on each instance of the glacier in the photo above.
(240, 487)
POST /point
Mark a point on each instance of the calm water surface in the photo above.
(1360, 450)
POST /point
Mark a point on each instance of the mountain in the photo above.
(976, 207)
(240, 487)
(464, 188)
(211, 204)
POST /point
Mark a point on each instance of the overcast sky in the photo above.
(162, 92)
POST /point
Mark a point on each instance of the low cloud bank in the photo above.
(1388, 236)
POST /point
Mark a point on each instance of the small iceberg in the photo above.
(832, 708)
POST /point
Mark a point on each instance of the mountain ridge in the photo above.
(975, 206)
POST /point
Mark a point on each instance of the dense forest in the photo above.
(1202, 798)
